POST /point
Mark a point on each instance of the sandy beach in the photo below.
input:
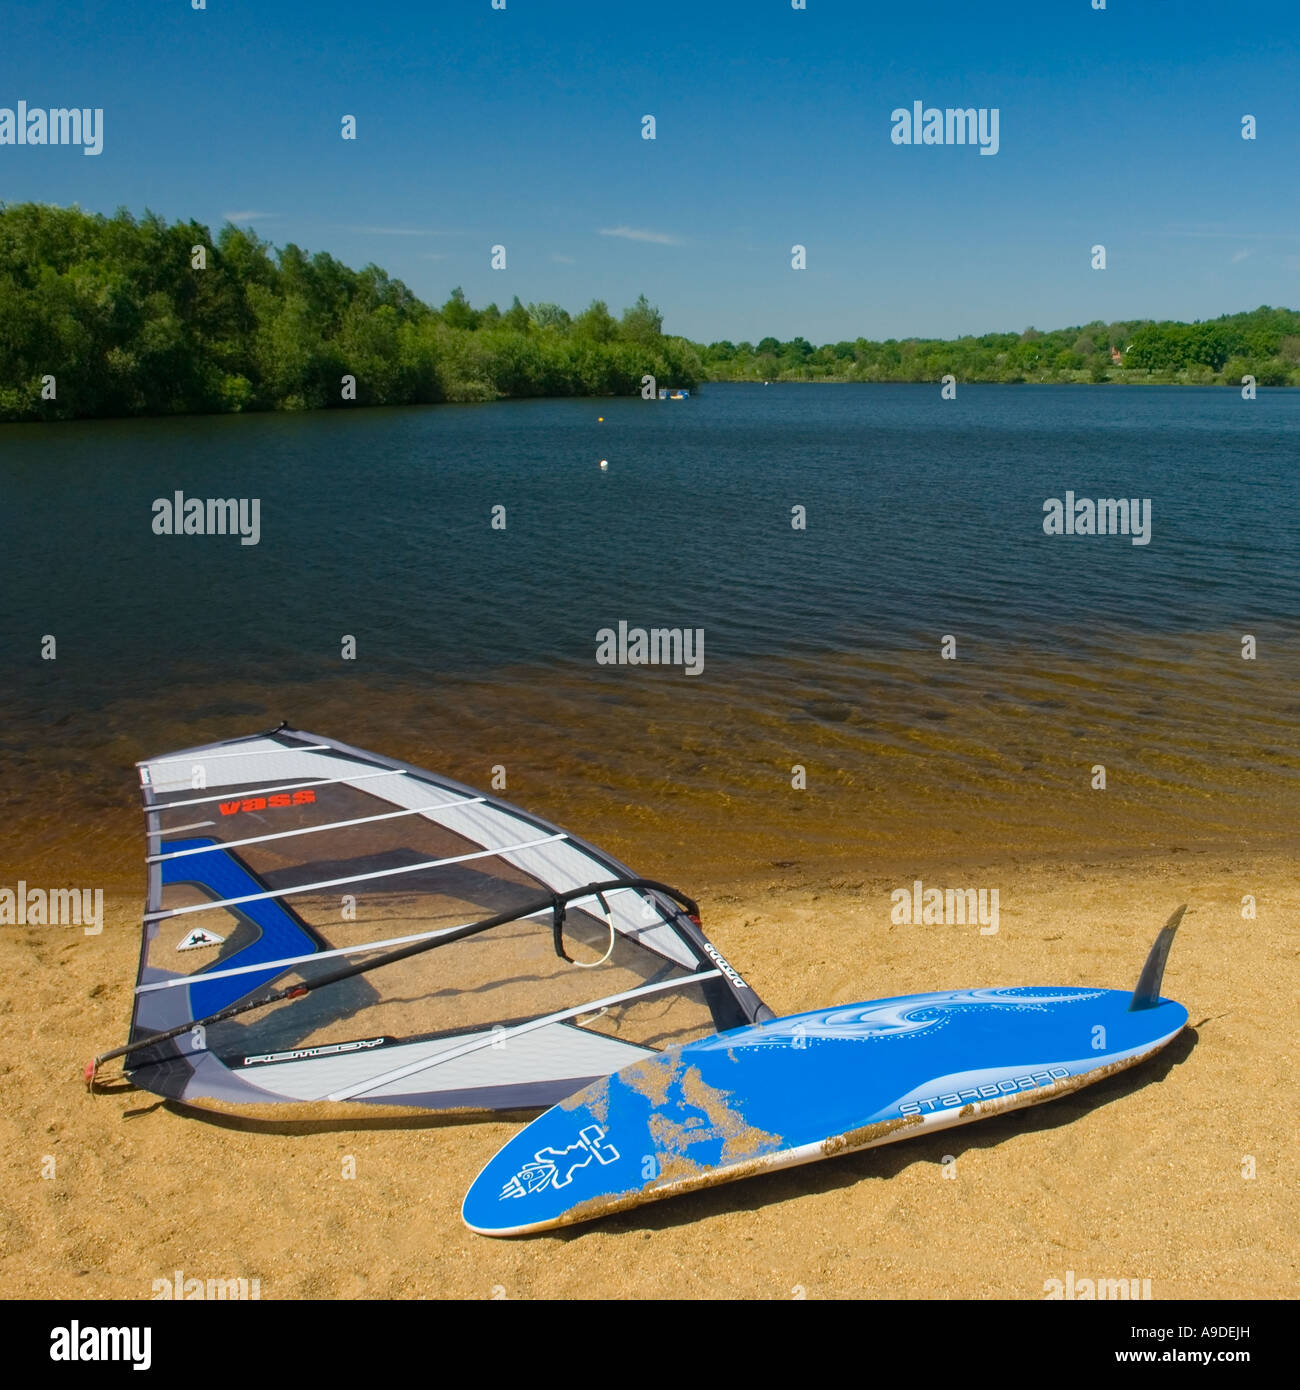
(1139, 1177)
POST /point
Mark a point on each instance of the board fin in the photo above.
(1146, 994)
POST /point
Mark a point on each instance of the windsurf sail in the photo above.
(327, 924)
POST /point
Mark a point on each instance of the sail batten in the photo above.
(212, 756)
(330, 882)
(306, 830)
(279, 787)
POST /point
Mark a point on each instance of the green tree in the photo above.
(456, 312)
(517, 318)
(642, 323)
(550, 316)
(596, 323)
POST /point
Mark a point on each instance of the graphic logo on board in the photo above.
(552, 1167)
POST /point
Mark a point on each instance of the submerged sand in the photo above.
(1143, 1176)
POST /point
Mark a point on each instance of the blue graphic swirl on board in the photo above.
(889, 1019)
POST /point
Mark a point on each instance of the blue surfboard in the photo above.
(812, 1086)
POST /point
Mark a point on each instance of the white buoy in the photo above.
(604, 463)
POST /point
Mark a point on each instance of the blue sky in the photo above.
(523, 127)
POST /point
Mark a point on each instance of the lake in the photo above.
(475, 645)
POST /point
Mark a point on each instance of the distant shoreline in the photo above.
(1132, 383)
(1132, 379)
(228, 325)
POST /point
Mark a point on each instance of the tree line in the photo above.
(1263, 343)
(119, 316)
(112, 316)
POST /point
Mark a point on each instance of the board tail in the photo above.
(1146, 995)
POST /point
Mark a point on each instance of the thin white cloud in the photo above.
(1241, 256)
(563, 260)
(435, 255)
(641, 234)
(239, 217)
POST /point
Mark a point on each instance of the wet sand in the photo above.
(1138, 1177)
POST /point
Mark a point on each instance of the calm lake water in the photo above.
(476, 646)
